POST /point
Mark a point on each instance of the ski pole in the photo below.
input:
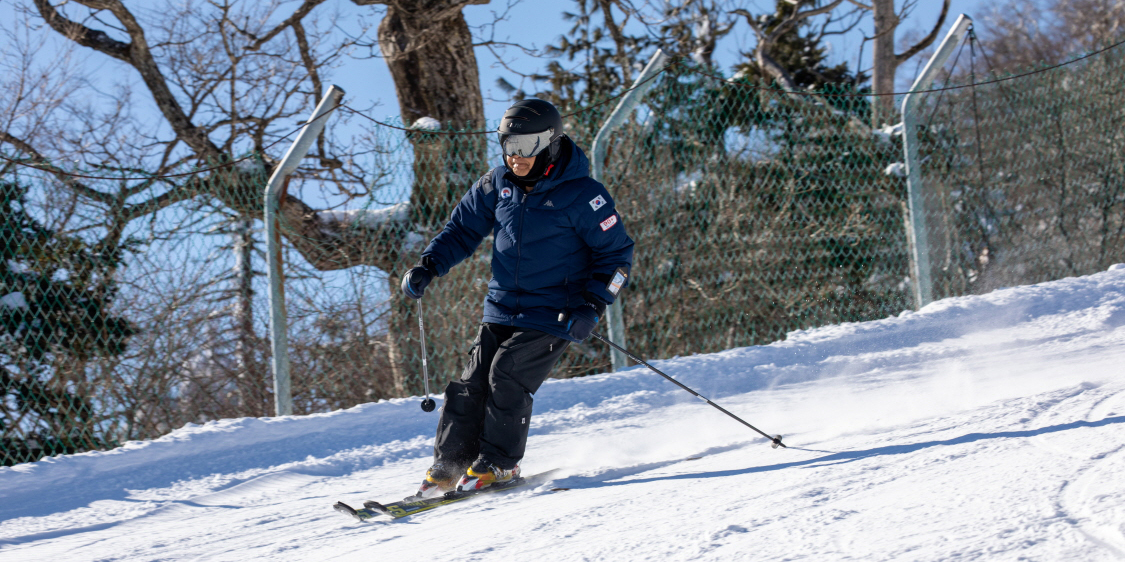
(427, 404)
(776, 439)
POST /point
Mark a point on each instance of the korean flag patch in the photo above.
(597, 202)
(505, 192)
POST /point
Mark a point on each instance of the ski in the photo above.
(412, 505)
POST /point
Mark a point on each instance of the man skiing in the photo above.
(560, 256)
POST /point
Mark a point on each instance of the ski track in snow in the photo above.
(980, 428)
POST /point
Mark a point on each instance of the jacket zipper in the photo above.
(566, 285)
(519, 247)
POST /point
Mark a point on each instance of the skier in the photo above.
(560, 256)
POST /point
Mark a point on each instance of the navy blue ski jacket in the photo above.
(550, 245)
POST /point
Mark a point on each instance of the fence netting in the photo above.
(755, 212)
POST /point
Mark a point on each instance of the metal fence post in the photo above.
(920, 267)
(614, 315)
(279, 338)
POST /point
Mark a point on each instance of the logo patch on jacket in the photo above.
(505, 192)
(608, 223)
(597, 203)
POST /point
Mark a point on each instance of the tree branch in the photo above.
(797, 16)
(295, 19)
(44, 164)
(395, 2)
(92, 38)
(491, 43)
(757, 29)
(138, 55)
(181, 85)
(314, 76)
(761, 52)
(618, 39)
(168, 198)
(928, 40)
(845, 29)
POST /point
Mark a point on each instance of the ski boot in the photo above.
(483, 474)
(440, 478)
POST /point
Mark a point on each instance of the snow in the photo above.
(427, 124)
(13, 300)
(978, 428)
(888, 132)
(251, 166)
(892, 130)
(413, 241)
(366, 218)
(897, 169)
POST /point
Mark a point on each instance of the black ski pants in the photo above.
(487, 412)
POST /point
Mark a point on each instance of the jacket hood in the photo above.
(572, 165)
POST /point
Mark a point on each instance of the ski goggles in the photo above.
(527, 145)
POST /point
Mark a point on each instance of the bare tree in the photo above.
(225, 78)
(1019, 35)
(885, 61)
(228, 77)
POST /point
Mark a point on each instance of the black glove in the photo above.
(584, 319)
(415, 281)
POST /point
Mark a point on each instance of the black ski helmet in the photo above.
(534, 119)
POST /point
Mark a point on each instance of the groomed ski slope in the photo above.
(980, 428)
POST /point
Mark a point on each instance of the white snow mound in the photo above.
(978, 428)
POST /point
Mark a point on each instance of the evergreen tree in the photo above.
(594, 60)
(55, 296)
(801, 52)
(786, 192)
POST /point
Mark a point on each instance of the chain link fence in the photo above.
(755, 212)
(1023, 179)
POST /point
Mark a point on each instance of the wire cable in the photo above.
(54, 170)
(676, 61)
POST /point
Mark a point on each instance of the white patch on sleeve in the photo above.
(608, 223)
(597, 203)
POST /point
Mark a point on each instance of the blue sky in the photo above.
(533, 23)
(530, 23)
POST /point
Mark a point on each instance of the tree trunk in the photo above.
(249, 379)
(429, 51)
(431, 59)
(884, 64)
